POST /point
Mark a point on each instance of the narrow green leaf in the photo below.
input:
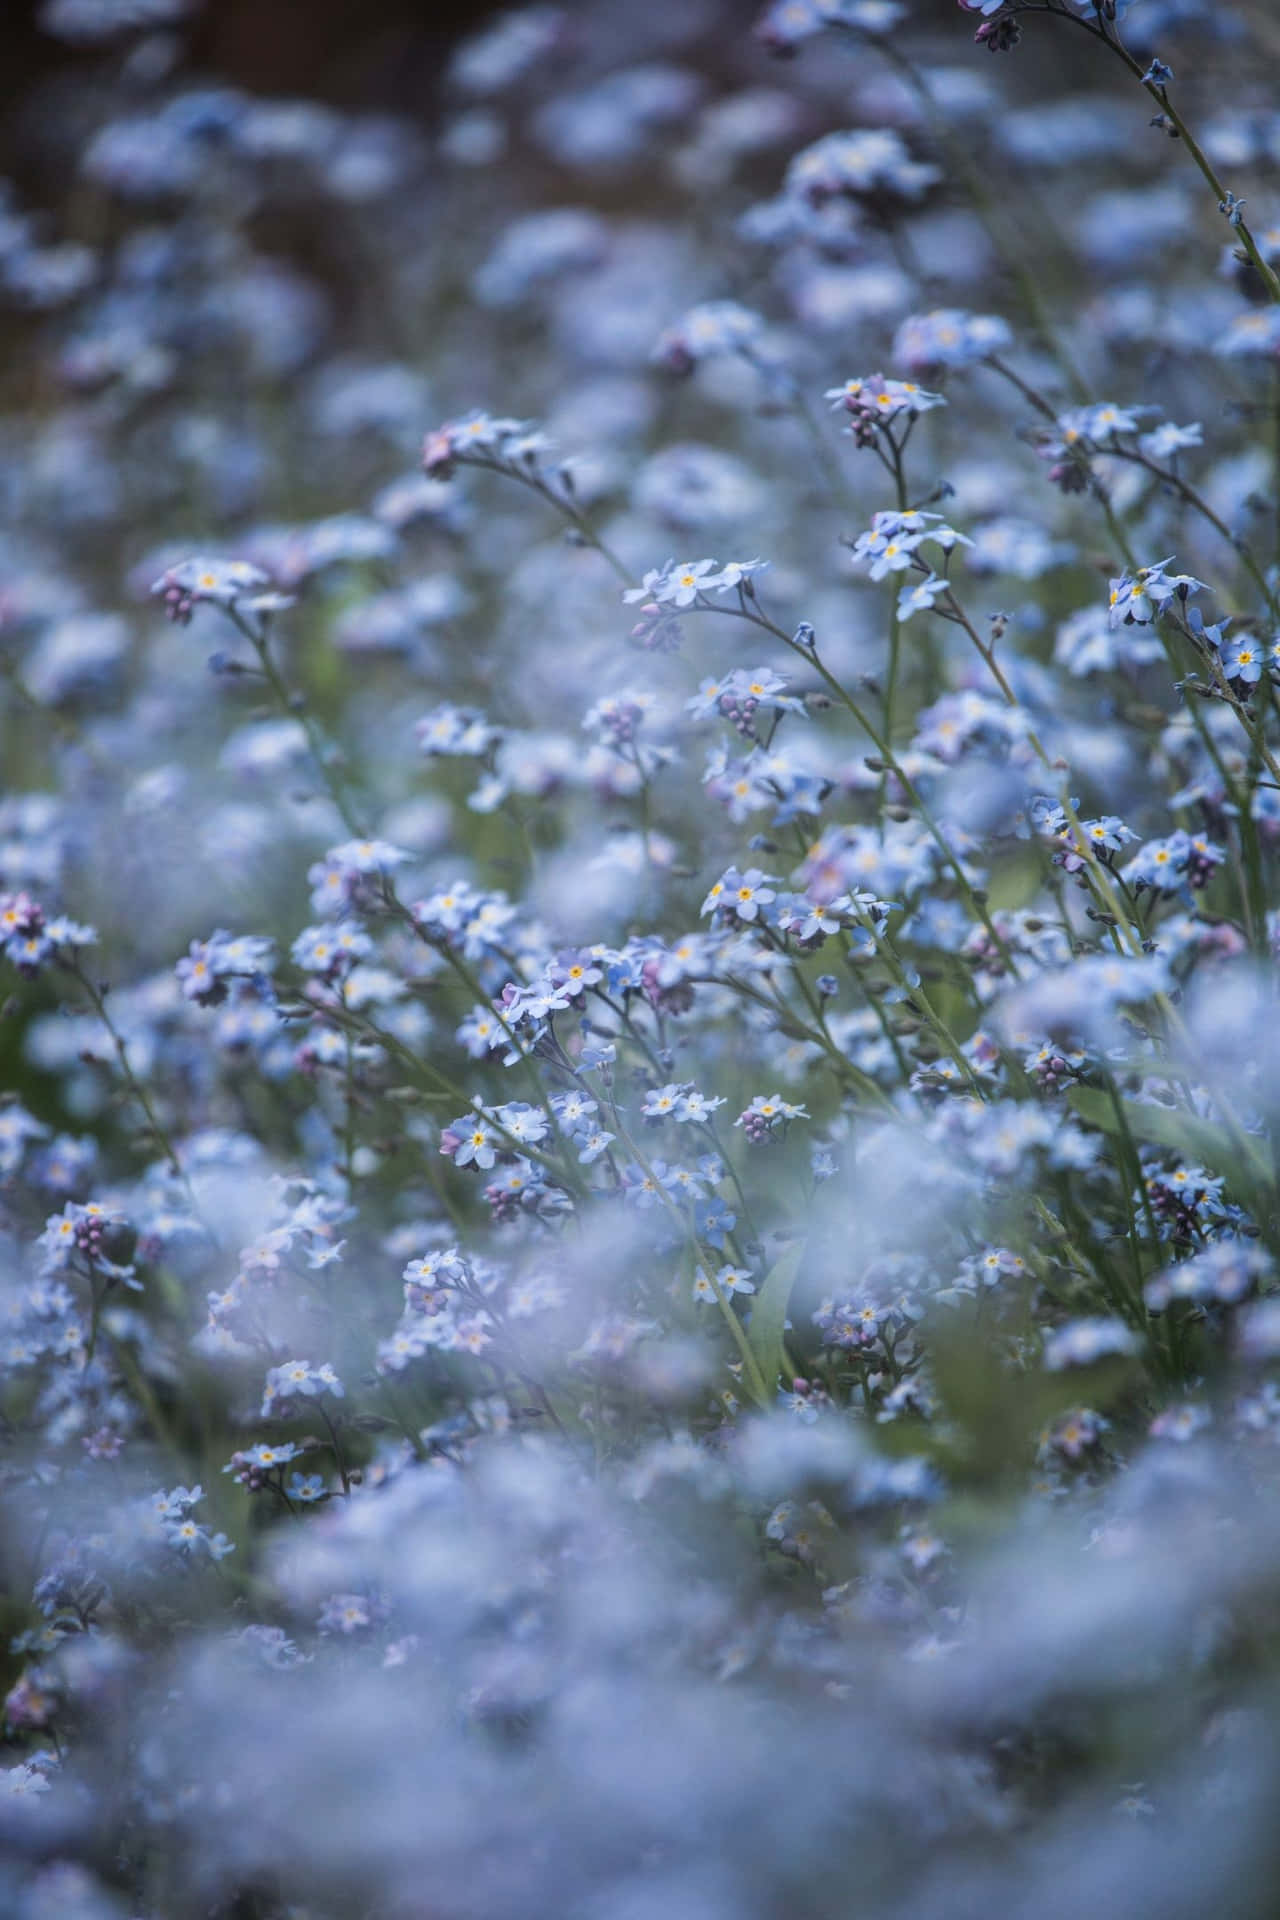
(769, 1315)
(1244, 1165)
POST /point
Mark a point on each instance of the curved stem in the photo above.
(1200, 505)
(1098, 31)
(261, 644)
(97, 1000)
(563, 504)
(840, 693)
(1009, 247)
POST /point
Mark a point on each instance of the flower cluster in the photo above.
(653, 1177)
(31, 939)
(219, 583)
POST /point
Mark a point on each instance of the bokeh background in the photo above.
(997, 1644)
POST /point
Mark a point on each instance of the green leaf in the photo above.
(769, 1315)
(1243, 1163)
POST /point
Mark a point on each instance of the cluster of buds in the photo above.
(179, 603)
(768, 1118)
(1179, 860)
(71, 1590)
(1183, 1200)
(1051, 1067)
(852, 1325)
(657, 630)
(811, 1392)
(1069, 472)
(508, 1198)
(22, 932)
(1201, 865)
(93, 1234)
(618, 719)
(664, 989)
(1001, 35)
(297, 1379)
(90, 1230)
(982, 951)
(796, 1528)
(324, 1046)
(740, 711)
(29, 938)
(864, 424)
(874, 402)
(523, 1188)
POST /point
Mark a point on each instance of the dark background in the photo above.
(385, 54)
(392, 56)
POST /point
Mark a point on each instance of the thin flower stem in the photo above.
(1200, 505)
(261, 644)
(563, 505)
(873, 733)
(793, 394)
(1097, 30)
(917, 997)
(349, 1116)
(1101, 880)
(1008, 245)
(1097, 872)
(66, 728)
(97, 1000)
(887, 1029)
(352, 1023)
(412, 1438)
(475, 988)
(844, 1068)
(633, 1031)
(1247, 827)
(1030, 394)
(759, 1393)
(895, 621)
(132, 1370)
(339, 1456)
(738, 1187)
(1134, 1164)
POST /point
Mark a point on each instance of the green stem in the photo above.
(1009, 246)
(883, 749)
(97, 1000)
(1200, 505)
(1098, 31)
(297, 710)
(562, 503)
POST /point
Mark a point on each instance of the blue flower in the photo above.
(920, 597)
(306, 1488)
(1244, 659)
